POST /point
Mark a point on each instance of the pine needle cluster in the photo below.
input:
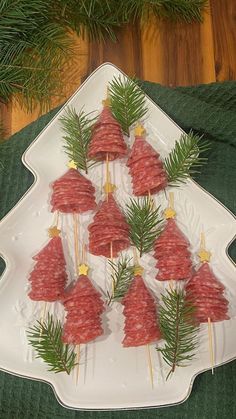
(122, 275)
(185, 159)
(178, 330)
(144, 222)
(45, 337)
(78, 129)
(128, 102)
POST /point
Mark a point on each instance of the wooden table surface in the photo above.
(174, 54)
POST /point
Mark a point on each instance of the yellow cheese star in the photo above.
(139, 130)
(53, 232)
(109, 187)
(138, 270)
(83, 269)
(169, 213)
(106, 102)
(204, 256)
(72, 165)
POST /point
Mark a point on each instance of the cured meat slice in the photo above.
(84, 306)
(72, 193)
(48, 277)
(146, 168)
(140, 314)
(108, 226)
(172, 254)
(107, 138)
(205, 292)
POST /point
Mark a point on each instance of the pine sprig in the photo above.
(78, 128)
(186, 10)
(122, 275)
(185, 160)
(178, 330)
(45, 337)
(128, 103)
(144, 222)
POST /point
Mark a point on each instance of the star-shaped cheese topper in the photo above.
(138, 270)
(106, 102)
(72, 165)
(83, 269)
(109, 187)
(203, 254)
(139, 130)
(53, 231)
(169, 211)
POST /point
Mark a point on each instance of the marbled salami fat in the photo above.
(48, 277)
(72, 193)
(107, 138)
(146, 168)
(172, 254)
(108, 226)
(84, 306)
(140, 314)
(205, 291)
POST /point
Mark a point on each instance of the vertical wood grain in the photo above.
(152, 51)
(224, 28)
(125, 53)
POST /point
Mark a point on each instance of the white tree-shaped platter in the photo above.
(111, 377)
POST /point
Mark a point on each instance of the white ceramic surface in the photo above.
(111, 377)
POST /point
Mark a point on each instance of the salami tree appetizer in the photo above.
(141, 326)
(172, 254)
(108, 226)
(206, 292)
(84, 306)
(72, 193)
(107, 138)
(145, 166)
(48, 277)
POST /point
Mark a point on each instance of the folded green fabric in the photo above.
(209, 110)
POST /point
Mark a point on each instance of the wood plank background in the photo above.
(174, 54)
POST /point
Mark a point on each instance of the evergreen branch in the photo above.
(186, 10)
(122, 275)
(144, 222)
(184, 160)
(178, 330)
(45, 337)
(128, 103)
(78, 128)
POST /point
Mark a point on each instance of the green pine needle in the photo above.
(128, 103)
(45, 337)
(78, 129)
(178, 330)
(185, 160)
(185, 10)
(122, 275)
(144, 222)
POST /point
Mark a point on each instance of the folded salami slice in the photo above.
(108, 226)
(107, 138)
(140, 314)
(145, 168)
(72, 193)
(48, 277)
(205, 291)
(84, 306)
(172, 254)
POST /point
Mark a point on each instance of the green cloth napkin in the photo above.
(209, 110)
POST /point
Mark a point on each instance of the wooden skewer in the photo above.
(77, 258)
(150, 365)
(111, 259)
(149, 357)
(205, 257)
(171, 200)
(107, 173)
(211, 349)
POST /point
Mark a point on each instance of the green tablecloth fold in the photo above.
(209, 110)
